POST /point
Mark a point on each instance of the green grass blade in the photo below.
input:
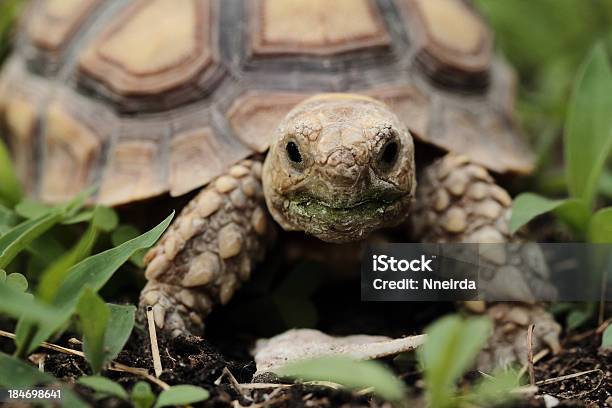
(94, 316)
(10, 191)
(600, 227)
(451, 349)
(52, 278)
(94, 272)
(527, 206)
(120, 325)
(588, 128)
(18, 304)
(16, 239)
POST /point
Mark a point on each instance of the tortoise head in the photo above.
(340, 166)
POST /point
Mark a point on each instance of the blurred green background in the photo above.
(546, 40)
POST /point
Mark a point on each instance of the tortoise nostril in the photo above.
(293, 152)
(389, 154)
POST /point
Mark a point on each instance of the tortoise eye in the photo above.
(389, 154)
(293, 152)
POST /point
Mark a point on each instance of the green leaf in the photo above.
(451, 349)
(19, 374)
(600, 226)
(103, 385)
(606, 339)
(495, 390)
(15, 373)
(94, 316)
(605, 183)
(53, 276)
(82, 216)
(72, 207)
(125, 233)
(588, 128)
(30, 209)
(575, 214)
(20, 236)
(119, 328)
(105, 219)
(2, 275)
(10, 191)
(7, 219)
(142, 396)
(17, 281)
(527, 206)
(346, 371)
(181, 395)
(17, 304)
(94, 272)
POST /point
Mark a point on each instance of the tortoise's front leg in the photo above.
(208, 251)
(458, 201)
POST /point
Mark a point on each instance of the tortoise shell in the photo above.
(145, 97)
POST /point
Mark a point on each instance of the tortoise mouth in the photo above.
(344, 222)
(339, 212)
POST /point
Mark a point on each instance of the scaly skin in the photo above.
(341, 166)
(458, 201)
(344, 186)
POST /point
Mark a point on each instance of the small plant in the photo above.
(68, 285)
(450, 350)
(106, 328)
(587, 146)
(142, 396)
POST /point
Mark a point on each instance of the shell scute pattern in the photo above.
(175, 119)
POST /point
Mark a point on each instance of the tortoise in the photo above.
(154, 97)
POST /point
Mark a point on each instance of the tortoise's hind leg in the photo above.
(458, 201)
(208, 251)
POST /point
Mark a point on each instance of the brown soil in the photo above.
(193, 360)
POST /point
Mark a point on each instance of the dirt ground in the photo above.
(194, 360)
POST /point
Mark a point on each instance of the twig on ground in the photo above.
(584, 393)
(143, 372)
(530, 354)
(603, 326)
(581, 336)
(75, 341)
(237, 386)
(263, 386)
(114, 366)
(567, 377)
(157, 365)
(541, 354)
(49, 346)
(526, 391)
